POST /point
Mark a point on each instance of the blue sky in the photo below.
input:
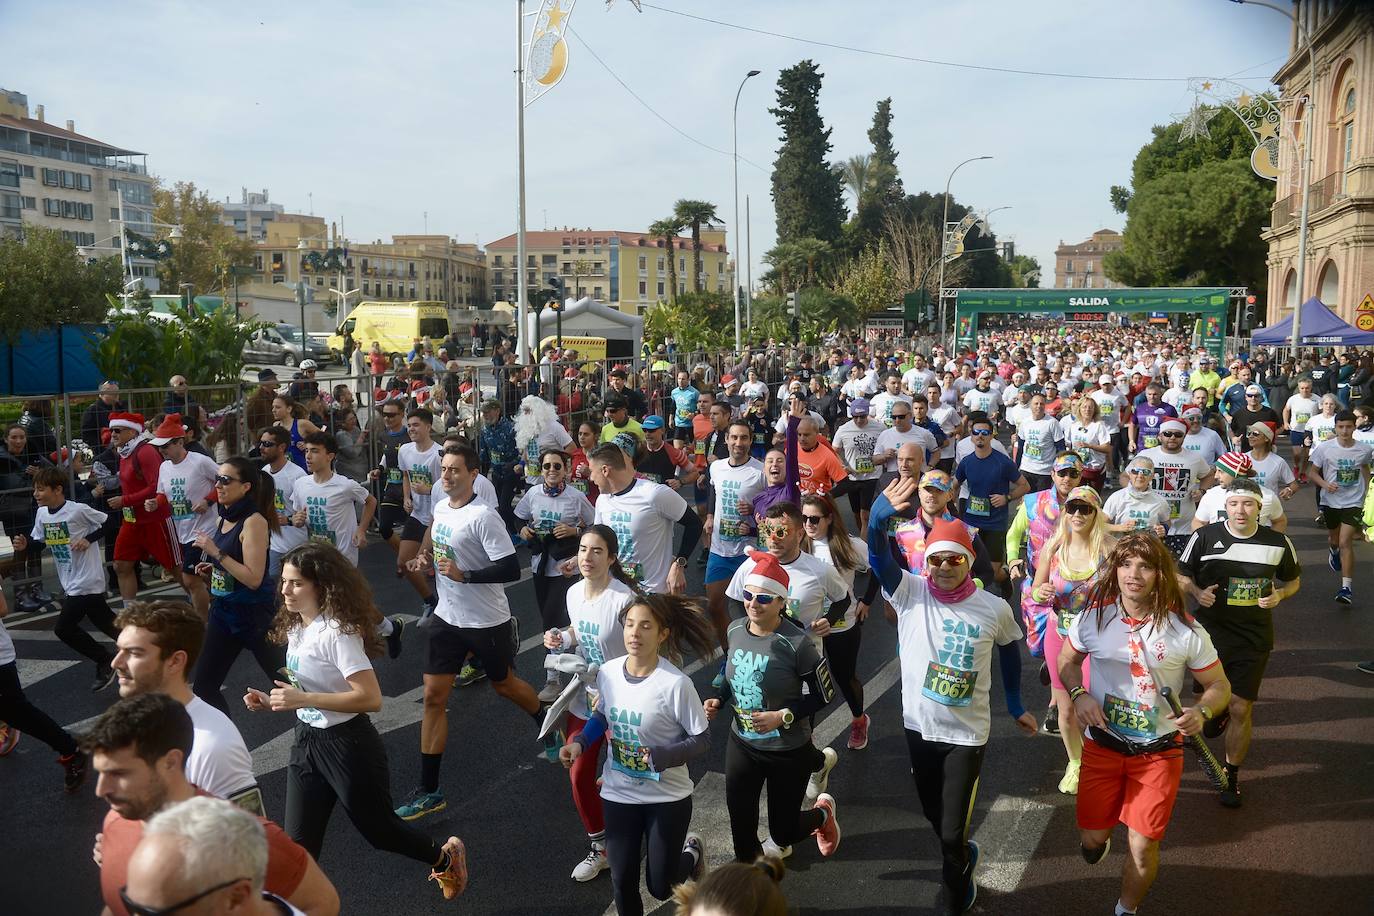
(385, 111)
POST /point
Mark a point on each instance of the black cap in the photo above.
(266, 375)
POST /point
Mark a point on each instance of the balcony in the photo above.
(1322, 194)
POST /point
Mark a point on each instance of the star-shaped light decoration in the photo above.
(556, 17)
(1207, 86)
(1243, 100)
(1195, 124)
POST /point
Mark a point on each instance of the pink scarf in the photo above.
(959, 593)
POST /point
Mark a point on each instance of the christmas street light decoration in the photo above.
(1195, 123)
(1259, 113)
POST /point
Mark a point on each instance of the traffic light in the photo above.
(555, 293)
(792, 304)
(1250, 315)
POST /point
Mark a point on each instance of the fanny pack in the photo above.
(1114, 742)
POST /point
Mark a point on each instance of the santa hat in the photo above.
(120, 420)
(767, 577)
(949, 536)
(170, 428)
(1173, 426)
(1237, 464)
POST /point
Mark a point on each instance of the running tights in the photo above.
(551, 593)
(222, 646)
(786, 774)
(947, 783)
(583, 775)
(842, 653)
(17, 712)
(347, 763)
(664, 827)
(69, 630)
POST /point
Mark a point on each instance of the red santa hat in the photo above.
(120, 420)
(170, 428)
(949, 536)
(767, 577)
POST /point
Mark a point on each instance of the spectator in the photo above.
(37, 422)
(258, 409)
(95, 417)
(18, 463)
(351, 461)
(179, 398)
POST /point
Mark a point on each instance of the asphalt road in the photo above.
(1296, 847)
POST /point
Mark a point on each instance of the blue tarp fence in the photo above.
(50, 361)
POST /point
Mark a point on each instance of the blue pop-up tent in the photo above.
(1320, 327)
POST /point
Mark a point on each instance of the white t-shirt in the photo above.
(473, 537)
(882, 404)
(1206, 443)
(855, 445)
(821, 550)
(948, 418)
(1342, 466)
(322, 658)
(551, 436)
(1143, 510)
(986, 401)
(285, 480)
(1038, 439)
(1095, 433)
(889, 440)
(1176, 478)
(1272, 472)
(483, 491)
(81, 572)
(543, 513)
(1321, 428)
(1212, 506)
(813, 585)
(946, 658)
(331, 510)
(1109, 405)
(423, 470)
(600, 636)
(754, 389)
(915, 380)
(1123, 695)
(729, 536)
(219, 761)
(643, 518)
(662, 709)
(186, 483)
(1301, 410)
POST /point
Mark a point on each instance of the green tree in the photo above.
(869, 280)
(207, 246)
(666, 230)
(692, 213)
(699, 320)
(808, 197)
(142, 351)
(887, 184)
(43, 281)
(857, 177)
(1025, 271)
(798, 263)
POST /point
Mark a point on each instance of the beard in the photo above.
(528, 425)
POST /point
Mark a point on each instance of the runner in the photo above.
(418, 461)
(1200, 438)
(387, 439)
(1147, 418)
(326, 503)
(329, 624)
(1271, 471)
(1111, 403)
(1087, 437)
(642, 514)
(272, 443)
(1136, 632)
(982, 399)
(663, 463)
(186, 485)
(1340, 469)
(947, 417)
(903, 431)
(1297, 412)
(821, 470)
(145, 534)
(290, 416)
(1255, 411)
(1322, 426)
(1137, 506)
(537, 429)
(886, 400)
(656, 723)
(994, 482)
(855, 444)
(1180, 477)
(946, 630)
(775, 682)
(1212, 506)
(911, 526)
(732, 483)
(685, 398)
(1040, 439)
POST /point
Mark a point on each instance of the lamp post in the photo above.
(944, 221)
(1304, 166)
(734, 276)
(174, 233)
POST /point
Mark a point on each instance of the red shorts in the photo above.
(1136, 791)
(155, 540)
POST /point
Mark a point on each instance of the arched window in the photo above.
(1347, 136)
(1290, 289)
(1330, 288)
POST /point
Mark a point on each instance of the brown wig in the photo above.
(343, 592)
(1167, 597)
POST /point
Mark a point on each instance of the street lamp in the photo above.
(175, 232)
(1305, 165)
(338, 254)
(734, 275)
(944, 232)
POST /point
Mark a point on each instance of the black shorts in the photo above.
(191, 556)
(389, 518)
(862, 493)
(1244, 668)
(1335, 518)
(683, 434)
(413, 530)
(996, 543)
(449, 647)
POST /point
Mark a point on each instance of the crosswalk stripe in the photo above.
(33, 670)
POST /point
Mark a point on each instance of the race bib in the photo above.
(949, 686)
(221, 583)
(323, 537)
(864, 465)
(632, 760)
(1134, 719)
(580, 486)
(979, 505)
(393, 477)
(731, 529)
(180, 509)
(743, 718)
(1085, 454)
(128, 513)
(1303, 418)
(1326, 432)
(1244, 591)
(279, 503)
(701, 447)
(1151, 441)
(1347, 477)
(1175, 510)
(635, 571)
(1034, 450)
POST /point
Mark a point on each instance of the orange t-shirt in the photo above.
(701, 431)
(820, 470)
(287, 860)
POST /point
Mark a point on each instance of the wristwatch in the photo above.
(788, 718)
(680, 561)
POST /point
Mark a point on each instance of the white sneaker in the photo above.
(820, 780)
(774, 850)
(593, 865)
(553, 688)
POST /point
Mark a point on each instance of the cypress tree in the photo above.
(807, 191)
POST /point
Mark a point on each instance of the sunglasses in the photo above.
(138, 909)
(760, 599)
(982, 432)
(390, 414)
(222, 481)
(1141, 472)
(900, 416)
(552, 467)
(267, 443)
(954, 560)
(1174, 435)
(1068, 472)
(1252, 395)
(1261, 435)
(1079, 509)
(813, 519)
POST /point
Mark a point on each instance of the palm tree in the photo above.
(666, 230)
(693, 213)
(857, 175)
(812, 252)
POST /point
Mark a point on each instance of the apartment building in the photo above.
(249, 216)
(1080, 266)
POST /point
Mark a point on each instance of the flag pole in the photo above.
(522, 306)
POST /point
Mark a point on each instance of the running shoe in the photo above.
(858, 733)
(470, 675)
(1069, 784)
(1230, 796)
(1093, 856)
(974, 854)
(73, 770)
(551, 744)
(421, 804)
(827, 834)
(697, 845)
(9, 737)
(1051, 723)
(820, 780)
(595, 863)
(104, 677)
(1344, 595)
(453, 880)
(393, 639)
(1333, 559)
(771, 848)
(553, 688)
(1366, 667)
(971, 896)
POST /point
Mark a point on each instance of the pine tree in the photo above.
(887, 183)
(808, 195)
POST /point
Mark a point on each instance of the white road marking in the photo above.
(33, 670)
(1009, 836)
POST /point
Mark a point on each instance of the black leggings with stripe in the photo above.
(947, 783)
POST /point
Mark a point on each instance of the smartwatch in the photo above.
(788, 718)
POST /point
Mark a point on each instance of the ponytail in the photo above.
(688, 628)
(264, 492)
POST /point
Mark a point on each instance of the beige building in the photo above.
(625, 270)
(53, 176)
(1080, 266)
(1340, 241)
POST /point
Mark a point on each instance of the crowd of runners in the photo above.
(1107, 504)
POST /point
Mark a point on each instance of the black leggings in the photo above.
(786, 773)
(17, 712)
(664, 827)
(842, 654)
(551, 593)
(947, 783)
(222, 646)
(68, 626)
(347, 763)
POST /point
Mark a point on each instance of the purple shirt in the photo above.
(790, 489)
(1147, 420)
